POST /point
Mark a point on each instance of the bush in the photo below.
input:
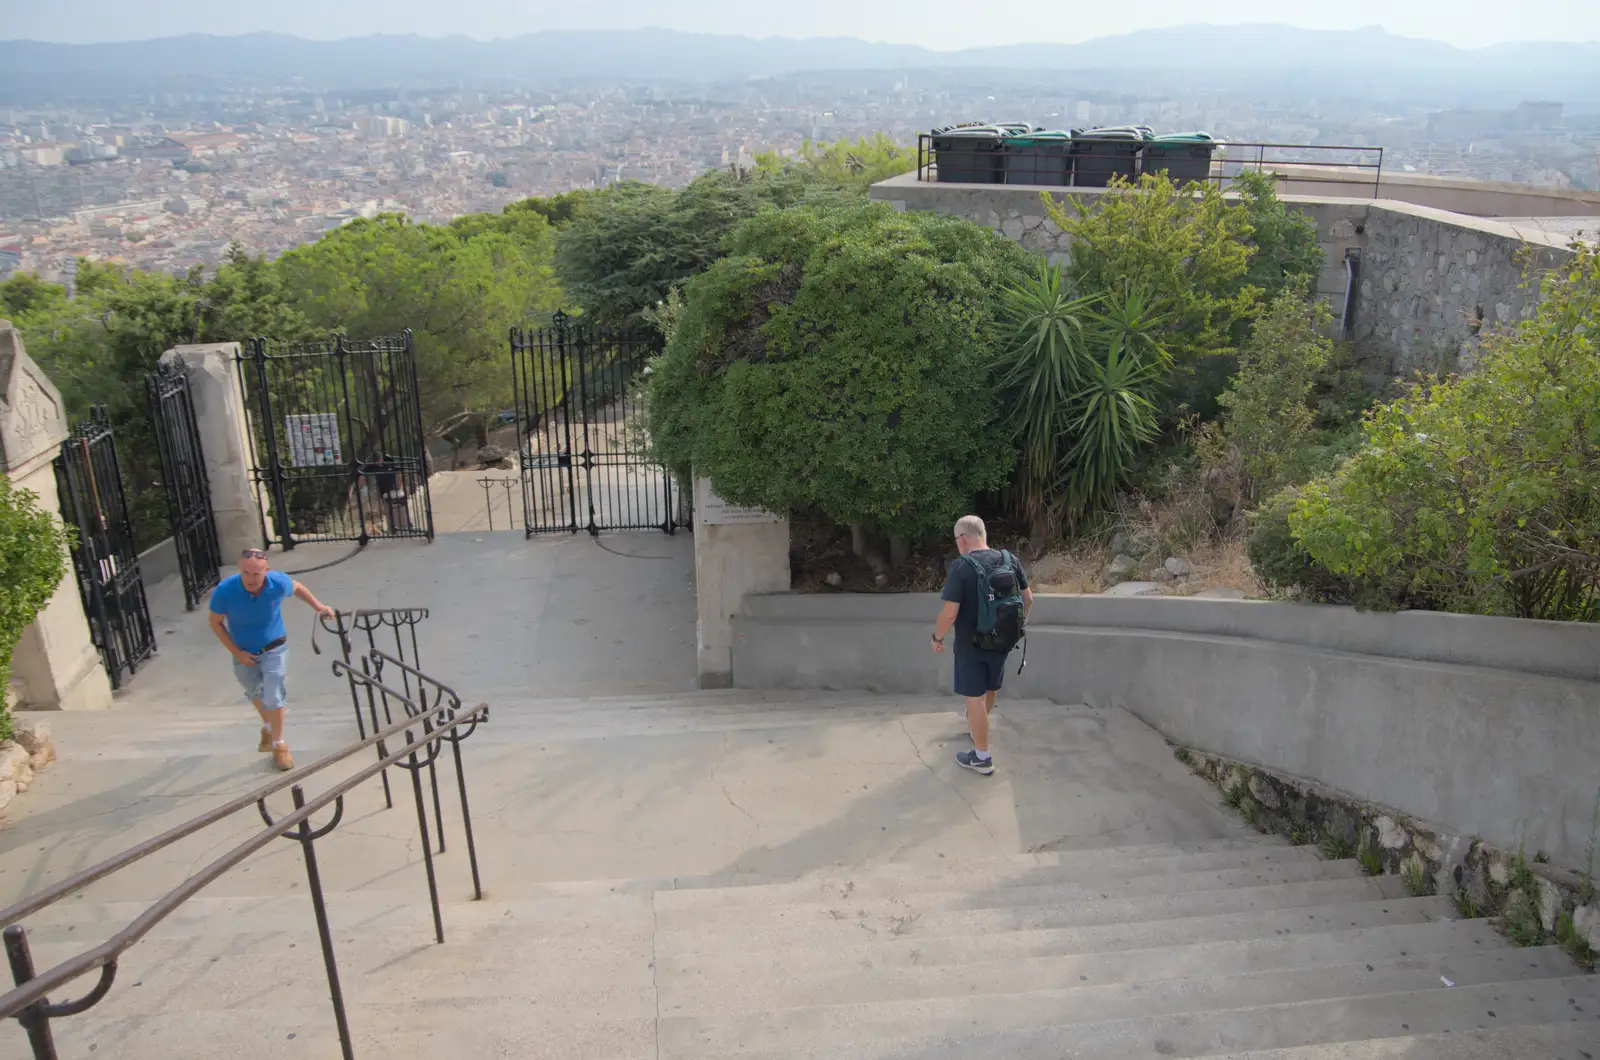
(1191, 251)
(1268, 420)
(839, 359)
(1482, 494)
(1287, 253)
(32, 563)
(1283, 564)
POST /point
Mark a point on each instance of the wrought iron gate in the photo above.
(336, 440)
(105, 557)
(183, 474)
(580, 434)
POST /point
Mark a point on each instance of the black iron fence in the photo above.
(424, 731)
(1088, 161)
(336, 439)
(580, 432)
(105, 555)
(183, 476)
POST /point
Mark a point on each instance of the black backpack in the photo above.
(1002, 622)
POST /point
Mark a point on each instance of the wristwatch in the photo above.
(936, 640)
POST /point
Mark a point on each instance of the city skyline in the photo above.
(939, 25)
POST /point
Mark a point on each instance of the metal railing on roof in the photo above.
(1323, 166)
(427, 704)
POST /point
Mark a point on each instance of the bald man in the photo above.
(247, 618)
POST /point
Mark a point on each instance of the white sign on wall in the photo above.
(314, 440)
(714, 511)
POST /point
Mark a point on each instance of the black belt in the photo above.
(280, 642)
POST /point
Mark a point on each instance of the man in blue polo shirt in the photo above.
(247, 617)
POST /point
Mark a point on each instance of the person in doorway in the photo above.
(979, 575)
(247, 618)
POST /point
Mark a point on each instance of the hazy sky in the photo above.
(942, 24)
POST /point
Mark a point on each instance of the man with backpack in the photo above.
(986, 599)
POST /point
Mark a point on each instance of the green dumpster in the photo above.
(1038, 158)
(1098, 155)
(1182, 156)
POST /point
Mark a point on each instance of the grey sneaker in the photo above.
(970, 760)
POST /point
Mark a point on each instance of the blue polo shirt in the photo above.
(254, 619)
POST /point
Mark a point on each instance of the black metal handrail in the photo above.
(445, 720)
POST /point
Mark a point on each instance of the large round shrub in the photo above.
(841, 360)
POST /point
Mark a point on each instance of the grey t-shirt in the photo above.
(961, 587)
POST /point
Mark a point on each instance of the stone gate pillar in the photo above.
(224, 437)
(55, 665)
(736, 551)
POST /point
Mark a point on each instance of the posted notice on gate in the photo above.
(314, 440)
(714, 511)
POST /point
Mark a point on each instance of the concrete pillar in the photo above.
(225, 439)
(55, 665)
(736, 551)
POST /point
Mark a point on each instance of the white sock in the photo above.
(983, 756)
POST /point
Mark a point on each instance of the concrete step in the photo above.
(1111, 866)
(848, 929)
(523, 1029)
(887, 953)
(744, 905)
(1548, 1041)
(710, 987)
(1189, 1017)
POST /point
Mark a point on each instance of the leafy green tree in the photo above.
(32, 564)
(459, 291)
(1191, 252)
(557, 210)
(852, 164)
(632, 243)
(1287, 253)
(25, 294)
(839, 360)
(1482, 493)
(1268, 419)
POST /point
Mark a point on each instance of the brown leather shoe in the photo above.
(266, 742)
(282, 758)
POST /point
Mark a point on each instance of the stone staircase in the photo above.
(1235, 946)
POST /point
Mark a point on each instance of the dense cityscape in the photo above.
(167, 180)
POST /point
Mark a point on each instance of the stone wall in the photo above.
(1425, 274)
(1488, 726)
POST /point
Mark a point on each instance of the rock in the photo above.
(32, 735)
(1499, 873)
(1143, 542)
(1133, 589)
(8, 791)
(43, 758)
(1120, 567)
(833, 579)
(1585, 921)
(1159, 574)
(13, 759)
(1178, 566)
(1265, 794)
(1221, 593)
(1390, 835)
(880, 580)
(1549, 902)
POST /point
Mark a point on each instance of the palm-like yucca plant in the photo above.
(1113, 414)
(1044, 366)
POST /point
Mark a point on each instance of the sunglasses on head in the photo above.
(253, 553)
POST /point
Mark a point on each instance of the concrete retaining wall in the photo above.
(159, 562)
(1489, 726)
(1429, 279)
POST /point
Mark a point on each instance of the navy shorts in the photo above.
(979, 672)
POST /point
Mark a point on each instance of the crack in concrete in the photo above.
(655, 971)
(934, 773)
(755, 825)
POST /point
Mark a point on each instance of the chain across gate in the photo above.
(183, 474)
(105, 558)
(336, 442)
(580, 432)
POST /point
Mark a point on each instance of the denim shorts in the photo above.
(978, 672)
(266, 679)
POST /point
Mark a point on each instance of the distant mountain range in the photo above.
(1360, 62)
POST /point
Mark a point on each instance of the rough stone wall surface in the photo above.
(1430, 280)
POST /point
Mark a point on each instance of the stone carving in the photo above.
(32, 422)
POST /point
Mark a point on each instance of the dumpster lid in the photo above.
(1186, 138)
(1115, 132)
(1039, 136)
